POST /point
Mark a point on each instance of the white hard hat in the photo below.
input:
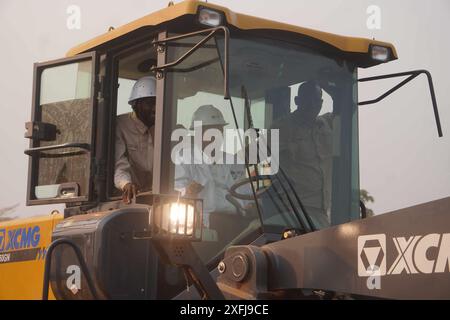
(143, 88)
(209, 116)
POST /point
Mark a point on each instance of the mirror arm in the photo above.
(412, 75)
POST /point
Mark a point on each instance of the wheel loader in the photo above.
(271, 246)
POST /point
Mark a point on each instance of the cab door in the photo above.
(62, 131)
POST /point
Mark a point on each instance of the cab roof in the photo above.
(345, 44)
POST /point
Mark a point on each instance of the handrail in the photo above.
(84, 268)
(211, 32)
(84, 146)
(412, 75)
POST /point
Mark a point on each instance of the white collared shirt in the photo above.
(133, 152)
(216, 180)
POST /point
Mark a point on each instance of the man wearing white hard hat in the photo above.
(202, 178)
(134, 141)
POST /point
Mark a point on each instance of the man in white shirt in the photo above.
(134, 141)
(202, 177)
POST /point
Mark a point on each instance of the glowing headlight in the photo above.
(380, 53)
(181, 218)
(209, 17)
(177, 218)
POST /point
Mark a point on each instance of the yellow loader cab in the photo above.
(200, 54)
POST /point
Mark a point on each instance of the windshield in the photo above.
(290, 125)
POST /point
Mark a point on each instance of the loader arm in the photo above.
(404, 254)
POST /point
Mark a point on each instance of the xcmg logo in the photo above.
(20, 238)
(415, 254)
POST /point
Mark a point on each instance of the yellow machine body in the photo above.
(23, 244)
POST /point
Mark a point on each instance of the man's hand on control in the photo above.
(129, 191)
(193, 189)
(251, 211)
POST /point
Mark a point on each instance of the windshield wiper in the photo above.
(306, 225)
(309, 224)
(250, 125)
(247, 166)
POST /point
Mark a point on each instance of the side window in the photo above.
(61, 131)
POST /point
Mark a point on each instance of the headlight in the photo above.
(379, 53)
(210, 17)
(181, 218)
(174, 217)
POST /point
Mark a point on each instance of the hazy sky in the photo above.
(402, 161)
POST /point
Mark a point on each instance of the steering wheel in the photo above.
(267, 182)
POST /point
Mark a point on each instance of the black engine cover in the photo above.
(122, 266)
